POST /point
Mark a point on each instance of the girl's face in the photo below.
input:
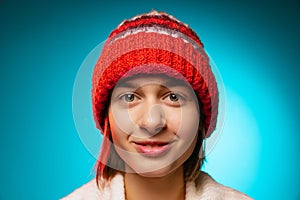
(154, 122)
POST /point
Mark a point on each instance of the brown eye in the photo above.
(129, 97)
(174, 97)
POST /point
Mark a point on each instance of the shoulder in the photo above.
(89, 191)
(86, 191)
(205, 187)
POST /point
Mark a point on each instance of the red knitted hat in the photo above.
(155, 41)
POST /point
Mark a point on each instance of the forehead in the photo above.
(137, 81)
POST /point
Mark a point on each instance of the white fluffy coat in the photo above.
(203, 188)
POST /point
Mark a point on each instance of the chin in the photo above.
(157, 173)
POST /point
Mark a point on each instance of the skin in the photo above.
(154, 109)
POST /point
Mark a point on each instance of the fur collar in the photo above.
(203, 188)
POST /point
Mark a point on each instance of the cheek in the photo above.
(117, 134)
(173, 119)
(121, 120)
(184, 121)
(189, 125)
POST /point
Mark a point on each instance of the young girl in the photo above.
(155, 99)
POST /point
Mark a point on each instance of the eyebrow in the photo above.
(126, 84)
(170, 82)
(176, 82)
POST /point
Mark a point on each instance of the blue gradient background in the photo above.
(254, 43)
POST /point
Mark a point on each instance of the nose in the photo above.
(153, 119)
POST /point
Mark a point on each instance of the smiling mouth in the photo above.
(152, 149)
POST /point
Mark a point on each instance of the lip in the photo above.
(152, 148)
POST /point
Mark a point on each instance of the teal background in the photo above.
(255, 44)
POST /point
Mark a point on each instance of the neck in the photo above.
(139, 187)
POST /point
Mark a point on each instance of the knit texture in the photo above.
(155, 40)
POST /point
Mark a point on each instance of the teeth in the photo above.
(152, 145)
(148, 145)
